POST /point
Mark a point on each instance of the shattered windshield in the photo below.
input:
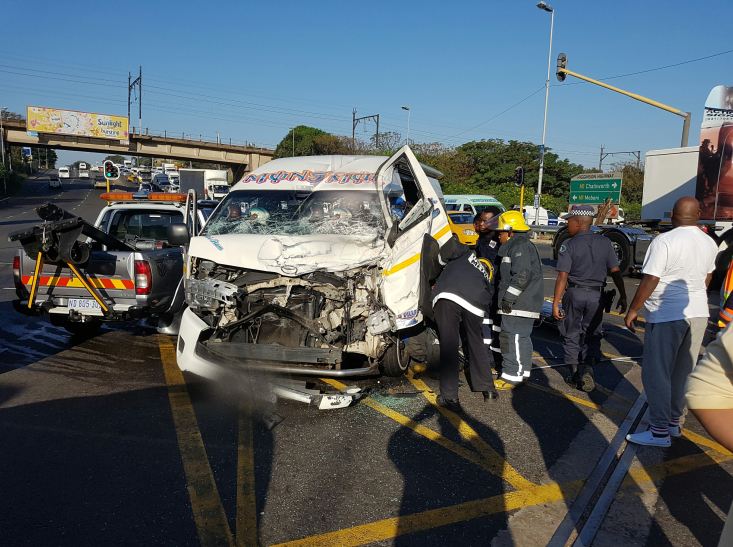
(344, 212)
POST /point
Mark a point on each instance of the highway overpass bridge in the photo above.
(241, 159)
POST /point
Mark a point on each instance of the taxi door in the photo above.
(404, 283)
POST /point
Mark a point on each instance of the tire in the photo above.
(393, 365)
(423, 348)
(561, 238)
(621, 248)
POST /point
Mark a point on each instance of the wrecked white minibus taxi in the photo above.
(332, 285)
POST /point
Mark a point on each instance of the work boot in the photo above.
(452, 405)
(490, 395)
(572, 378)
(587, 382)
(505, 385)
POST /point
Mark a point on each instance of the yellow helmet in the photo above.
(511, 221)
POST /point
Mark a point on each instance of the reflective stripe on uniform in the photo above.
(511, 378)
(487, 321)
(522, 313)
(496, 328)
(514, 291)
(460, 301)
(507, 259)
(516, 351)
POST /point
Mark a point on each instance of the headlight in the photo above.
(469, 233)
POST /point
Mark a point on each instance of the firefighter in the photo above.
(584, 261)
(461, 296)
(520, 297)
(487, 248)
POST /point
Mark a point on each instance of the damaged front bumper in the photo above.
(193, 356)
(211, 359)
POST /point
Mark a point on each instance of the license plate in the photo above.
(83, 304)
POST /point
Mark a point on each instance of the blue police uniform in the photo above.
(587, 258)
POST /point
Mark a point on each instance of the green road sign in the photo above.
(595, 188)
(594, 197)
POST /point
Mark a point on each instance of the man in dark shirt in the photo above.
(584, 261)
(487, 248)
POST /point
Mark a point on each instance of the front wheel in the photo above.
(395, 360)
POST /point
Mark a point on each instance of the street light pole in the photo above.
(2, 148)
(409, 111)
(545, 7)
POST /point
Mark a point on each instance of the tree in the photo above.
(386, 143)
(299, 142)
(116, 158)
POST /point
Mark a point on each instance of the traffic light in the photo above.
(111, 171)
(562, 63)
(519, 176)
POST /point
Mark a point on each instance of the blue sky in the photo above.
(252, 70)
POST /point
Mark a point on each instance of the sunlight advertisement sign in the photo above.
(714, 187)
(41, 119)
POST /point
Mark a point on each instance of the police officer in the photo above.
(461, 295)
(583, 263)
(487, 248)
(520, 297)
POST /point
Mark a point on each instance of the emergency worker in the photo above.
(725, 315)
(584, 261)
(461, 296)
(487, 248)
(520, 297)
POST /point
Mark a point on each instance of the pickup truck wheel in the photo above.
(621, 248)
(394, 364)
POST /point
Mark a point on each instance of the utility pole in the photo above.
(131, 85)
(293, 134)
(355, 121)
(604, 155)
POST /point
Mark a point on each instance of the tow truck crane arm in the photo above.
(57, 240)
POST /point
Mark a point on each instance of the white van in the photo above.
(538, 217)
(469, 203)
(64, 173)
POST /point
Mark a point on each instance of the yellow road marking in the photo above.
(246, 519)
(420, 429)
(208, 512)
(704, 441)
(498, 464)
(574, 399)
(417, 522)
(683, 464)
(392, 527)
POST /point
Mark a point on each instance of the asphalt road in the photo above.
(105, 442)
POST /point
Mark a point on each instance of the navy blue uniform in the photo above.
(487, 247)
(461, 296)
(587, 258)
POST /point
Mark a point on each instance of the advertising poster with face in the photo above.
(714, 187)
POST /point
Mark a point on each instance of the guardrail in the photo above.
(543, 228)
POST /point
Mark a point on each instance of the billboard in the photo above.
(72, 122)
(714, 186)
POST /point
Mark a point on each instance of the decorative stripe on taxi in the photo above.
(97, 283)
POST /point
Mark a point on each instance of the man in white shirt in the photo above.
(677, 269)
